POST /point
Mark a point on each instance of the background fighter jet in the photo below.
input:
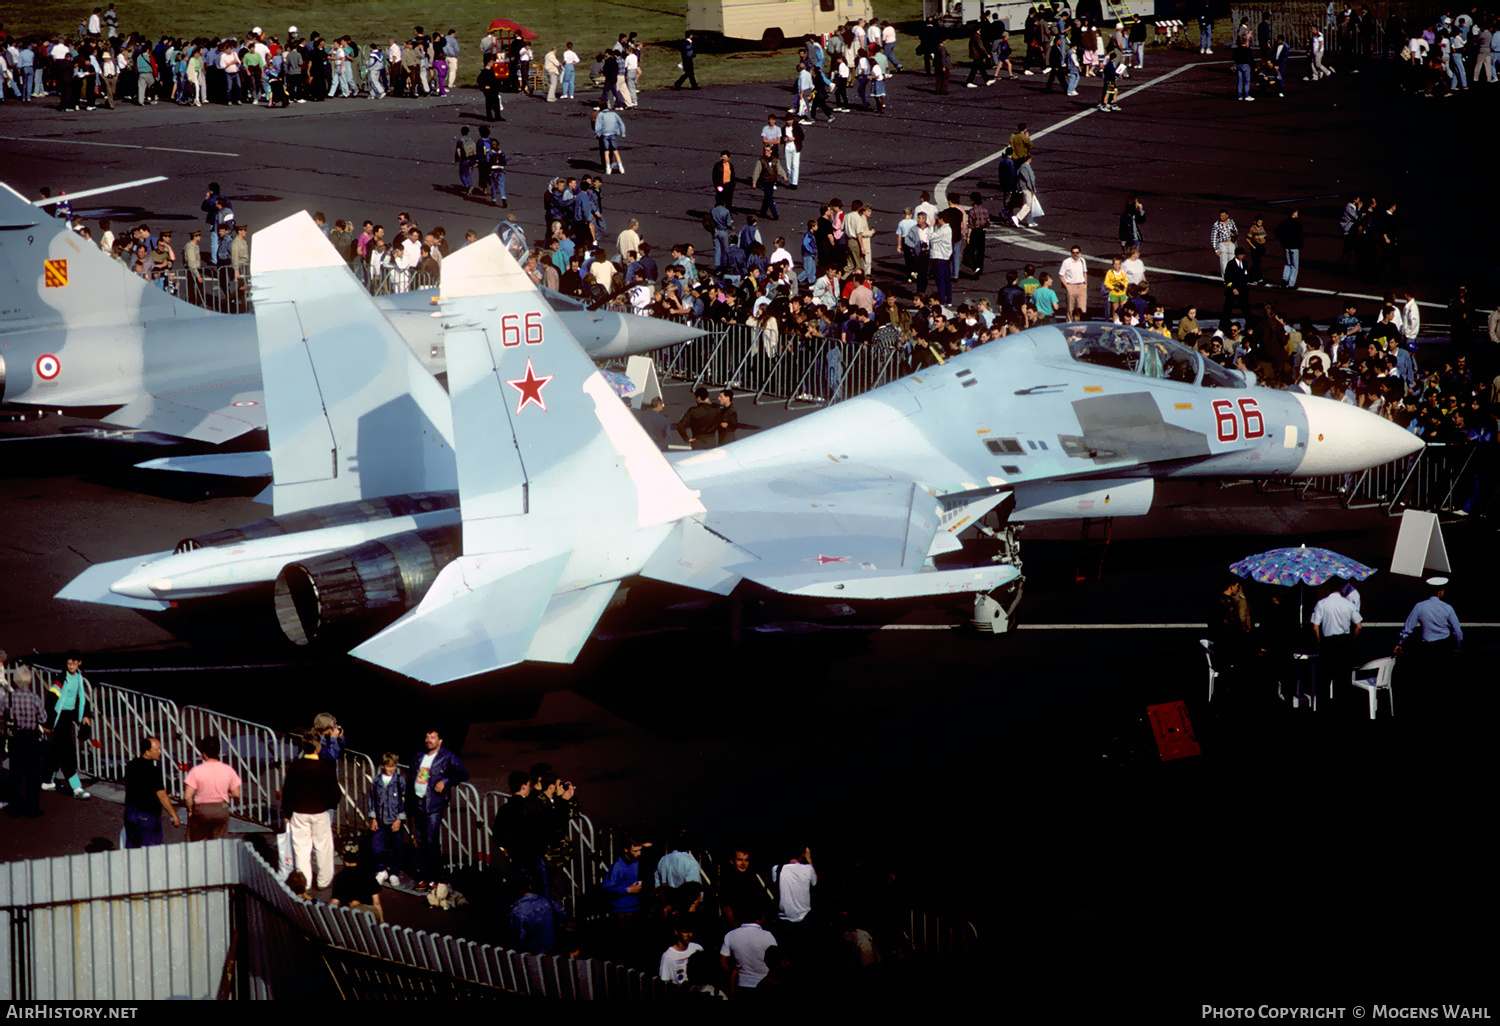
(560, 495)
(78, 330)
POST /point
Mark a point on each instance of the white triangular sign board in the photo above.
(641, 370)
(1419, 546)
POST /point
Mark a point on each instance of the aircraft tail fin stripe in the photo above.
(350, 410)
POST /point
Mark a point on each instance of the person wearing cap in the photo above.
(1437, 620)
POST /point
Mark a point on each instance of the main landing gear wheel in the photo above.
(995, 611)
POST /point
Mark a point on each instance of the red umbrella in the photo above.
(510, 26)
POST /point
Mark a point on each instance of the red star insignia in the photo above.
(530, 388)
(825, 560)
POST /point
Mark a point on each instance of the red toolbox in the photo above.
(1174, 731)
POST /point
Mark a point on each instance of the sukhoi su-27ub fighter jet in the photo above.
(560, 495)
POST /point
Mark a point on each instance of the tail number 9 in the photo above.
(1242, 417)
(513, 331)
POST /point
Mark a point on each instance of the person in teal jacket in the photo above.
(70, 709)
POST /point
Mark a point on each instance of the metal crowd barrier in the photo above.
(120, 718)
(800, 370)
(1440, 477)
(252, 750)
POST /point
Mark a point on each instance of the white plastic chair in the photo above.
(1375, 677)
(1213, 674)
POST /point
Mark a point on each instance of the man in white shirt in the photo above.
(796, 880)
(1335, 622)
(95, 26)
(926, 206)
(629, 241)
(1074, 274)
(674, 960)
(743, 954)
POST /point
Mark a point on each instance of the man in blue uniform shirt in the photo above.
(1437, 620)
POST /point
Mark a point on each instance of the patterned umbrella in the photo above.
(622, 385)
(1301, 565)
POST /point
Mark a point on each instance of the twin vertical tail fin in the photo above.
(563, 493)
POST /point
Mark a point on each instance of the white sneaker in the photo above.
(971, 85)
(382, 876)
(1249, 99)
(81, 794)
(49, 786)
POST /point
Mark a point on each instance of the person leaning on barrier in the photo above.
(207, 791)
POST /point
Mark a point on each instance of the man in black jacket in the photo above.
(699, 426)
(308, 796)
(1236, 287)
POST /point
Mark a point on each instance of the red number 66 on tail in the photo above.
(513, 332)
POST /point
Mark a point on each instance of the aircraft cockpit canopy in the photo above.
(1123, 348)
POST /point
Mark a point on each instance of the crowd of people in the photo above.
(720, 928)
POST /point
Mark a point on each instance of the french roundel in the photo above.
(48, 367)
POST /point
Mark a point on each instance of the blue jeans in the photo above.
(1242, 80)
(1458, 75)
(809, 269)
(569, 80)
(1072, 81)
(142, 829)
(942, 278)
(890, 55)
(429, 830)
(386, 847)
(1205, 38)
(1289, 272)
(497, 182)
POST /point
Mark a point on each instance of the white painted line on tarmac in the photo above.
(941, 199)
(117, 146)
(941, 195)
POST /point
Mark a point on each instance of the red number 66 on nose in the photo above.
(513, 332)
(1233, 419)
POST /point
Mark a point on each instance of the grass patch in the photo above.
(592, 25)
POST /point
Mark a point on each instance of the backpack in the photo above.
(465, 150)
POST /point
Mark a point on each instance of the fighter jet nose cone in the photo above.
(1344, 439)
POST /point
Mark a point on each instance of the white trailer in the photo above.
(773, 22)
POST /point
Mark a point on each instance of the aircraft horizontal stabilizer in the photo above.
(222, 464)
(695, 557)
(93, 584)
(198, 420)
(481, 614)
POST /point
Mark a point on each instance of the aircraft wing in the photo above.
(836, 531)
(211, 413)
